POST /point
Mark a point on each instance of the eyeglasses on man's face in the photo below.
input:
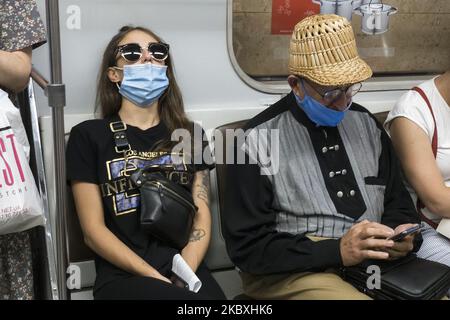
(132, 52)
(330, 96)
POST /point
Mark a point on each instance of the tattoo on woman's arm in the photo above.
(197, 235)
(203, 186)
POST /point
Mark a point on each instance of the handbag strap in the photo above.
(118, 129)
(435, 135)
(122, 145)
(434, 140)
(158, 168)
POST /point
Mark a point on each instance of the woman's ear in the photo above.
(114, 75)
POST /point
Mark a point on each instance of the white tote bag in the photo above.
(20, 202)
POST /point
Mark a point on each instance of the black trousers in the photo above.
(146, 288)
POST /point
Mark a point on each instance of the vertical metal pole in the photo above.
(42, 184)
(56, 100)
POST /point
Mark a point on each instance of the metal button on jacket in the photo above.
(340, 194)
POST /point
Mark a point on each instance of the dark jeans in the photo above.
(145, 288)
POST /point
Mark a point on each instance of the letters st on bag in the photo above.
(20, 202)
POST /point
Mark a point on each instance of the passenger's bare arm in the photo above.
(416, 155)
(100, 239)
(15, 69)
(195, 250)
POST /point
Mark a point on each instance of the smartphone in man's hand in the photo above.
(400, 236)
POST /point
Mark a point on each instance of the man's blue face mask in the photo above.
(143, 84)
(318, 113)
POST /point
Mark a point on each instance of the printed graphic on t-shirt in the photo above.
(124, 195)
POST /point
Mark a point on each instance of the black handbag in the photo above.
(167, 209)
(409, 278)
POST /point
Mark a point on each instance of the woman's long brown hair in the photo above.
(170, 106)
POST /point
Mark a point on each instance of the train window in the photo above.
(416, 42)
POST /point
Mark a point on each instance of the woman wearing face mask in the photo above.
(137, 92)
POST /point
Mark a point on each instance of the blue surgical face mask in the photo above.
(318, 113)
(143, 84)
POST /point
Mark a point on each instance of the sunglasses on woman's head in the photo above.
(132, 52)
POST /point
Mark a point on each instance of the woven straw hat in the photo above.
(323, 50)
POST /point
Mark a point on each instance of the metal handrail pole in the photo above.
(56, 100)
(42, 184)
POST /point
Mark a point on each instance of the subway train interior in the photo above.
(231, 61)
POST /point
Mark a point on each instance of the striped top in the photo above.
(301, 180)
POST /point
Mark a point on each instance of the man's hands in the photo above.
(368, 240)
(402, 248)
(365, 240)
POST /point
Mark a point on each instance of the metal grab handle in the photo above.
(392, 10)
(358, 11)
(39, 79)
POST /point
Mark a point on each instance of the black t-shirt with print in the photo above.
(91, 157)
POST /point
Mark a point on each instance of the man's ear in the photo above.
(114, 75)
(294, 84)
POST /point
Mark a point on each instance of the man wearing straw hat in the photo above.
(337, 193)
